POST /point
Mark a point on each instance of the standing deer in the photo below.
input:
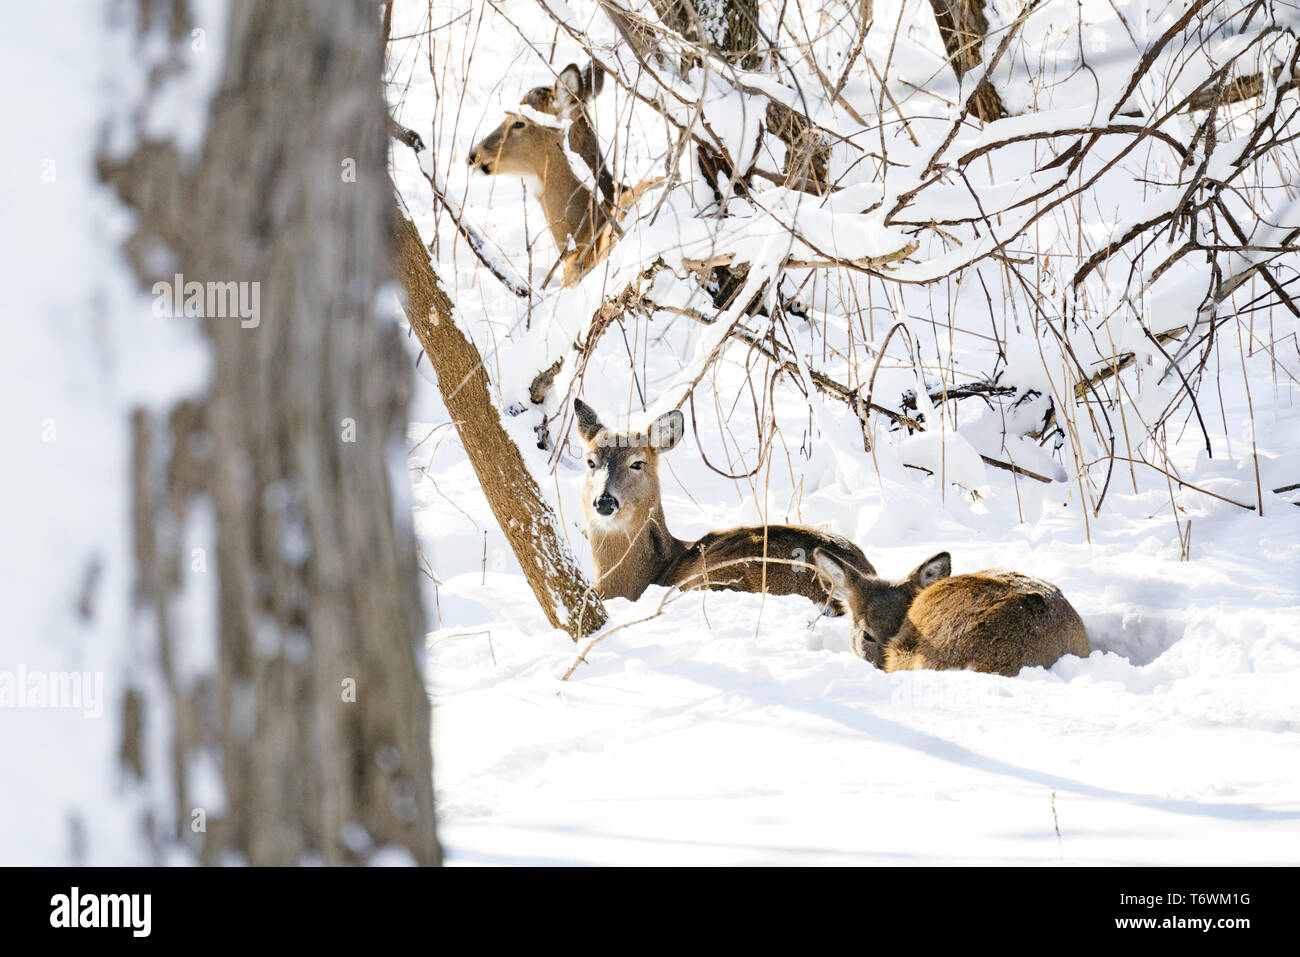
(633, 548)
(992, 621)
(581, 225)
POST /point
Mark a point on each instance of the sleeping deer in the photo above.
(992, 621)
(633, 548)
(526, 146)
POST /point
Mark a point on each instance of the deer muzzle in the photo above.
(605, 505)
(477, 158)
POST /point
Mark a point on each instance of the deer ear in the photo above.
(588, 420)
(570, 90)
(931, 570)
(667, 430)
(837, 573)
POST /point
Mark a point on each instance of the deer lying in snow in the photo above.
(633, 548)
(992, 621)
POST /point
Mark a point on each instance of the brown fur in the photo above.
(633, 548)
(991, 621)
(524, 147)
(734, 559)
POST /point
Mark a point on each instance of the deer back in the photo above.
(777, 559)
(992, 621)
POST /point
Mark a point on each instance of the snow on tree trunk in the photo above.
(525, 516)
(310, 712)
(964, 27)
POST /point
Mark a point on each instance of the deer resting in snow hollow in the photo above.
(526, 147)
(633, 548)
(992, 621)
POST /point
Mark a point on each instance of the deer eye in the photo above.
(517, 125)
(636, 465)
(591, 464)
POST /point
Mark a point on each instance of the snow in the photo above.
(719, 733)
(734, 730)
(947, 454)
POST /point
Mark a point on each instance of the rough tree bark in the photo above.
(964, 27)
(311, 708)
(730, 30)
(739, 40)
(525, 516)
(728, 27)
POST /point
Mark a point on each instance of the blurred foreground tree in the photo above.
(311, 706)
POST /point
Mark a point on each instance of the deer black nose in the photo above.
(606, 505)
(473, 159)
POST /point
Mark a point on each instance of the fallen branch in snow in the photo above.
(982, 390)
(1117, 364)
(993, 462)
(1018, 470)
(869, 262)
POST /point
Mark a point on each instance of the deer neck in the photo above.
(569, 207)
(631, 554)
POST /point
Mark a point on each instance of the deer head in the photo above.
(879, 606)
(622, 480)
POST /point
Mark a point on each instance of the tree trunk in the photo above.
(727, 27)
(964, 27)
(310, 713)
(525, 516)
(739, 40)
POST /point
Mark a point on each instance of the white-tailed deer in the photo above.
(993, 621)
(581, 225)
(633, 548)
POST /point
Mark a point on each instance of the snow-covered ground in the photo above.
(732, 729)
(727, 728)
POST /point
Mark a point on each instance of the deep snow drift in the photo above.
(732, 729)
